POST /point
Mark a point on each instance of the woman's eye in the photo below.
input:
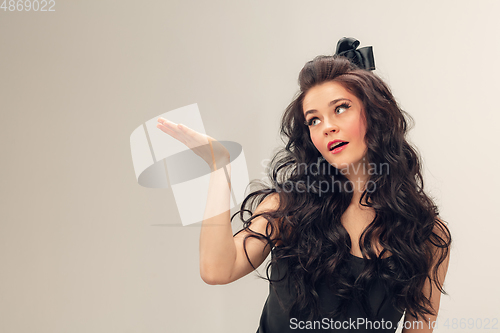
(343, 108)
(312, 121)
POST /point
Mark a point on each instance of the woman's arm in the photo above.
(411, 324)
(222, 256)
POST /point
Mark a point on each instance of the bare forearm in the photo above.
(217, 248)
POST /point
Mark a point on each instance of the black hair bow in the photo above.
(363, 57)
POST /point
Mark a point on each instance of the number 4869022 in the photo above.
(27, 5)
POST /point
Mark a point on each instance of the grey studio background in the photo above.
(84, 248)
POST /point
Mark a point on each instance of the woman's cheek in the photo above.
(316, 144)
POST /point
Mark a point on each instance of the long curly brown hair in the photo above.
(315, 243)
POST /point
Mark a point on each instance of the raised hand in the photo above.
(209, 149)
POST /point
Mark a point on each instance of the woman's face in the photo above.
(333, 113)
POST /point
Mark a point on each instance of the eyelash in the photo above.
(344, 105)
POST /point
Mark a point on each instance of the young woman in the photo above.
(355, 241)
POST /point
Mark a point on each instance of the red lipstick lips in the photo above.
(338, 144)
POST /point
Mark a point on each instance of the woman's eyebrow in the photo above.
(329, 104)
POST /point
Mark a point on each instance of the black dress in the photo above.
(275, 320)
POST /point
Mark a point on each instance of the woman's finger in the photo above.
(172, 132)
(175, 131)
(167, 123)
(193, 138)
(201, 144)
(181, 132)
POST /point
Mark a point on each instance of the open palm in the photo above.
(209, 149)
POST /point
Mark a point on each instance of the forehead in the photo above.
(320, 95)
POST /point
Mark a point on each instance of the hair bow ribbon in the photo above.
(363, 57)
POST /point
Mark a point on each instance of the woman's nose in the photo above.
(329, 126)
